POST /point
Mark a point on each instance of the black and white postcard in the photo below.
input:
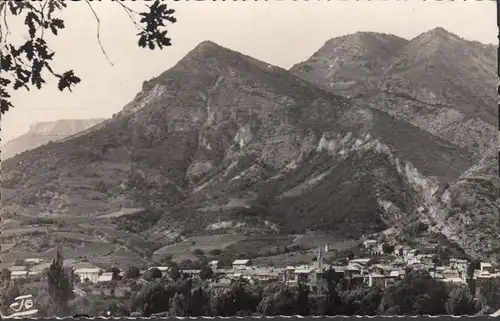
(249, 158)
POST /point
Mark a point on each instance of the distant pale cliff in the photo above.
(44, 132)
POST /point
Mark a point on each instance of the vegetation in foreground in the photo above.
(177, 295)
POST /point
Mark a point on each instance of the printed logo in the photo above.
(22, 307)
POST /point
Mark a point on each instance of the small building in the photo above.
(163, 269)
(33, 261)
(17, 268)
(370, 244)
(375, 279)
(362, 262)
(191, 273)
(215, 264)
(18, 274)
(105, 277)
(411, 254)
(241, 264)
(382, 269)
(486, 267)
(90, 274)
(398, 250)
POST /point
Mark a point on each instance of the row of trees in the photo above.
(178, 295)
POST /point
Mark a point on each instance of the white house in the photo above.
(19, 274)
(241, 264)
(90, 274)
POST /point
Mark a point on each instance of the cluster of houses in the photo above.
(369, 271)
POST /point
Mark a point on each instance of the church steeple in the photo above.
(319, 259)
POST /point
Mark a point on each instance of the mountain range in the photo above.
(42, 133)
(349, 143)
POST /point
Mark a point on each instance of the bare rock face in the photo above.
(438, 81)
(222, 141)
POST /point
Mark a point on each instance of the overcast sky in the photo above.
(279, 32)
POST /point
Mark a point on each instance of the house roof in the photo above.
(484, 264)
(238, 262)
(394, 274)
(376, 275)
(453, 279)
(303, 271)
(107, 276)
(17, 268)
(214, 262)
(360, 261)
(88, 270)
(19, 272)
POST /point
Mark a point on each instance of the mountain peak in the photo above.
(438, 34)
(207, 45)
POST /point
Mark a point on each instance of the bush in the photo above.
(198, 252)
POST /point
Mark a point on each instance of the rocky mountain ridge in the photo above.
(432, 73)
(222, 142)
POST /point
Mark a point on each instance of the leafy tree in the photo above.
(489, 291)
(198, 252)
(199, 303)
(303, 295)
(177, 305)
(416, 293)
(27, 64)
(460, 302)
(215, 252)
(387, 248)
(174, 272)
(333, 299)
(153, 273)
(115, 274)
(60, 284)
(281, 302)
(153, 298)
(5, 276)
(206, 273)
(132, 273)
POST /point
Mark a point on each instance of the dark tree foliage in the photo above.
(332, 299)
(132, 273)
(416, 293)
(387, 248)
(5, 275)
(60, 284)
(206, 273)
(460, 302)
(26, 65)
(174, 272)
(303, 296)
(153, 298)
(116, 274)
(153, 273)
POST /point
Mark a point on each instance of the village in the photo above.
(373, 270)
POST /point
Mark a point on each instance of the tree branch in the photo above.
(98, 32)
(128, 11)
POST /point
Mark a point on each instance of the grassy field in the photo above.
(184, 250)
